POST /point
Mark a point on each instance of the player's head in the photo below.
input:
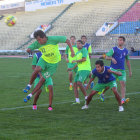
(99, 66)
(79, 44)
(84, 39)
(72, 39)
(121, 40)
(40, 36)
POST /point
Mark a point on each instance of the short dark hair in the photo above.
(39, 33)
(83, 36)
(122, 38)
(73, 37)
(99, 62)
(80, 41)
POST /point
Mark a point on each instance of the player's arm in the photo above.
(114, 72)
(33, 46)
(108, 56)
(91, 79)
(80, 60)
(90, 51)
(70, 69)
(70, 46)
(63, 39)
(128, 65)
(84, 56)
(66, 54)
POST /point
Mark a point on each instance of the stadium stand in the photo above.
(81, 18)
(129, 26)
(12, 37)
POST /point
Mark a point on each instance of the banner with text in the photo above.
(32, 5)
(6, 5)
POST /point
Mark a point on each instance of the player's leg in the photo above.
(118, 98)
(123, 90)
(82, 88)
(36, 97)
(97, 88)
(50, 87)
(38, 86)
(70, 79)
(89, 98)
(113, 86)
(41, 65)
(122, 80)
(102, 94)
(76, 93)
(83, 75)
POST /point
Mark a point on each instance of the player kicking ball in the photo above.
(105, 79)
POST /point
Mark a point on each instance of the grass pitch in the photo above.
(101, 121)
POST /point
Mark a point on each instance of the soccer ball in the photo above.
(10, 20)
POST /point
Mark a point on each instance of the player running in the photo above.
(48, 62)
(105, 79)
(84, 68)
(69, 59)
(118, 55)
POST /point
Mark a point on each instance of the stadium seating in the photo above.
(12, 37)
(129, 26)
(87, 17)
(84, 17)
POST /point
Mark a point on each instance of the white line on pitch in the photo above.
(14, 108)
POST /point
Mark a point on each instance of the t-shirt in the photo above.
(104, 77)
(88, 47)
(36, 58)
(119, 55)
(83, 53)
(50, 50)
(68, 52)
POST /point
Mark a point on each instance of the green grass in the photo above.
(101, 121)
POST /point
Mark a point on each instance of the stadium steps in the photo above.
(87, 17)
(12, 37)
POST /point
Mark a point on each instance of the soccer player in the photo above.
(36, 58)
(118, 55)
(89, 49)
(105, 79)
(84, 68)
(48, 62)
(69, 59)
(86, 45)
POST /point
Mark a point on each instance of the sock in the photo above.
(29, 85)
(86, 97)
(70, 84)
(30, 94)
(77, 100)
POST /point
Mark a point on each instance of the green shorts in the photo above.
(48, 69)
(71, 65)
(47, 83)
(100, 86)
(81, 75)
(120, 78)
